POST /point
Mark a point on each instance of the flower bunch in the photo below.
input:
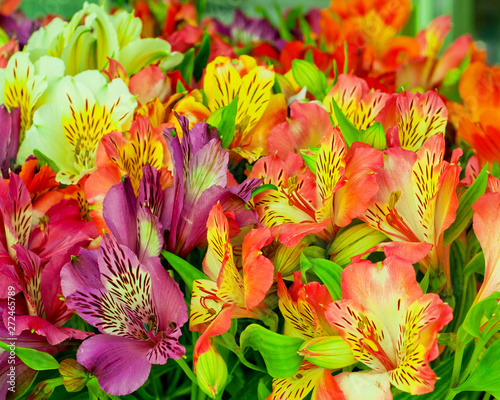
(191, 209)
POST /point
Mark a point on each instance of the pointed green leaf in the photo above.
(262, 188)
(330, 274)
(476, 265)
(187, 272)
(44, 160)
(279, 351)
(464, 210)
(37, 360)
(310, 157)
(201, 59)
(485, 376)
(350, 133)
(224, 119)
(186, 67)
(487, 308)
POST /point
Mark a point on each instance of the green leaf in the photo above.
(476, 265)
(44, 160)
(37, 360)
(263, 188)
(186, 67)
(224, 119)
(350, 133)
(279, 351)
(464, 210)
(201, 59)
(310, 157)
(187, 272)
(485, 376)
(489, 308)
(330, 273)
(306, 74)
(375, 136)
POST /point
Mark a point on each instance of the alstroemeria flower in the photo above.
(22, 84)
(486, 225)
(92, 35)
(32, 254)
(200, 181)
(230, 293)
(390, 325)
(344, 184)
(83, 109)
(355, 99)
(126, 153)
(305, 127)
(10, 127)
(303, 307)
(417, 200)
(477, 120)
(427, 70)
(224, 79)
(138, 308)
(411, 118)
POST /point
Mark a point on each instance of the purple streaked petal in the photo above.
(166, 348)
(82, 271)
(118, 363)
(150, 193)
(120, 213)
(149, 235)
(10, 128)
(167, 297)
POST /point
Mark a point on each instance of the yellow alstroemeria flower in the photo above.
(226, 78)
(68, 130)
(22, 84)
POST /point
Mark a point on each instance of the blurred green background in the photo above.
(480, 18)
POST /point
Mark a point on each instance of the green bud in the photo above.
(330, 352)
(74, 375)
(211, 372)
(375, 136)
(308, 75)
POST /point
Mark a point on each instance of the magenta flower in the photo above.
(138, 308)
(32, 254)
(200, 180)
(10, 128)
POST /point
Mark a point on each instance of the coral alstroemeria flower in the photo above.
(32, 254)
(230, 293)
(84, 109)
(390, 325)
(303, 307)
(486, 225)
(358, 103)
(305, 127)
(478, 123)
(138, 308)
(120, 154)
(344, 184)
(226, 78)
(410, 118)
(417, 200)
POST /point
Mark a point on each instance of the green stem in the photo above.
(187, 370)
(473, 360)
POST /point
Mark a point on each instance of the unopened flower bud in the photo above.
(211, 372)
(330, 352)
(74, 375)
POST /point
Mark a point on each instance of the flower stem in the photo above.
(187, 370)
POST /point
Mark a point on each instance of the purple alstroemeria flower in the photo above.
(200, 179)
(10, 128)
(18, 26)
(138, 308)
(245, 30)
(32, 254)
